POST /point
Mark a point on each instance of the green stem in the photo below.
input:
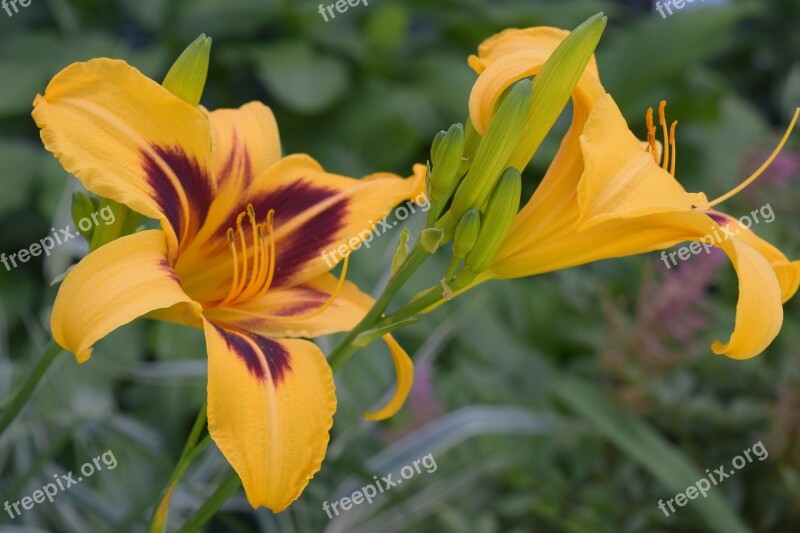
(14, 404)
(211, 505)
(191, 450)
(431, 297)
(415, 258)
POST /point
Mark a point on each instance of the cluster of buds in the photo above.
(475, 193)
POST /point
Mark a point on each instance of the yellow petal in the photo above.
(404, 369)
(788, 272)
(270, 407)
(280, 312)
(516, 55)
(112, 286)
(127, 138)
(759, 314)
(512, 40)
(620, 179)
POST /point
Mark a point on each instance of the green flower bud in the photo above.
(501, 137)
(431, 238)
(466, 233)
(553, 86)
(187, 77)
(115, 220)
(402, 251)
(446, 154)
(83, 205)
(472, 139)
(496, 221)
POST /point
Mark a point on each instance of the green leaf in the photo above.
(300, 78)
(645, 446)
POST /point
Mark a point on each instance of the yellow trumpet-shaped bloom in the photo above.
(606, 194)
(239, 255)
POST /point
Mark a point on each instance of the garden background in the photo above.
(572, 401)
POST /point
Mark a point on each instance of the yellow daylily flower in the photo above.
(606, 195)
(239, 255)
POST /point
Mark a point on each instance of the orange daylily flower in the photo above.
(238, 255)
(606, 195)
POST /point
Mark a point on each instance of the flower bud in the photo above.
(446, 154)
(431, 238)
(472, 140)
(83, 205)
(187, 77)
(501, 137)
(466, 233)
(496, 220)
(402, 251)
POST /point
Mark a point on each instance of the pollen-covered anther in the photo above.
(651, 134)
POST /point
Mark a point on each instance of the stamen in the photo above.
(243, 240)
(674, 149)
(243, 288)
(254, 283)
(763, 167)
(269, 259)
(662, 119)
(235, 282)
(651, 134)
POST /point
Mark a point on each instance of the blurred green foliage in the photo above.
(568, 402)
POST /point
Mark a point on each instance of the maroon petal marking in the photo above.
(194, 181)
(266, 352)
(308, 241)
(238, 161)
(719, 218)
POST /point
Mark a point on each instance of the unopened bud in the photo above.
(83, 206)
(472, 139)
(495, 148)
(187, 77)
(446, 154)
(496, 220)
(431, 238)
(466, 233)
(402, 251)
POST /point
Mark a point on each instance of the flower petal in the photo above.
(788, 272)
(112, 286)
(270, 407)
(759, 314)
(620, 179)
(127, 138)
(284, 312)
(404, 369)
(511, 56)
